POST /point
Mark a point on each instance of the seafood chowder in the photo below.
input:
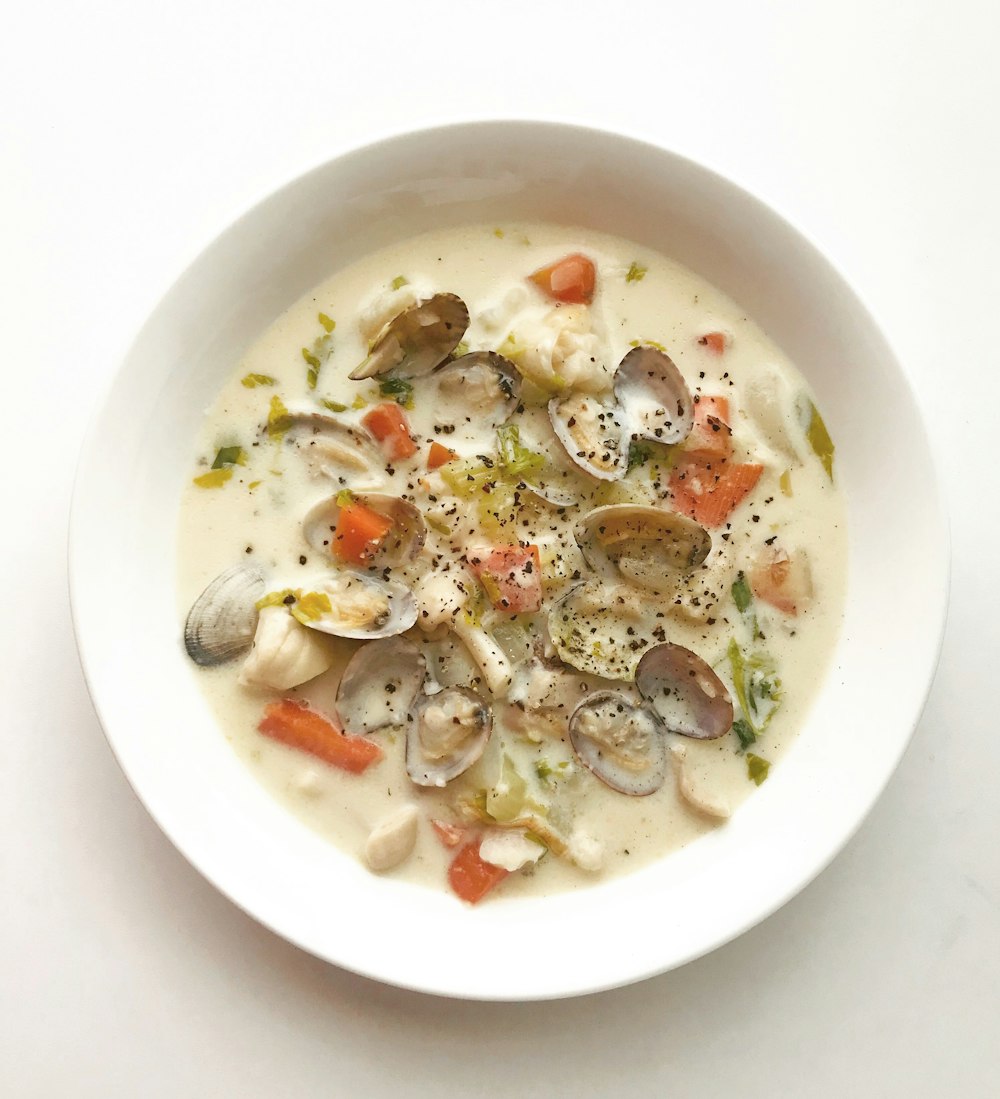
(512, 558)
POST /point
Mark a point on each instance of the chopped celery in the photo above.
(284, 596)
(513, 639)
(230, 456)
(251, 381)
(359, 402)
(544, 770)
(757, 768)
(467, 477)
(435, 522)
(741, 593)
(636, 272)
(505, 800)
(399, 282)
(517, 461)
(344, 497)
(254, 484)
(333, 406)
(785, 482)
(215, 478)
(638, 455)
(820, 441)
(327, 322)
(312, 374)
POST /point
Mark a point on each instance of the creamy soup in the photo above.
(568, 519)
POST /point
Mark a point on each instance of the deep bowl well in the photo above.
(123, 538)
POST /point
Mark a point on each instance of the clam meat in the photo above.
(624, 745)
(354, 604)
(447, 735)
(654, 396)
(594, 435)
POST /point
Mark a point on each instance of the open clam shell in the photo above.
(223, 619)
(648, 546)
(361, 606)
(403, 542)
(447, 735)
(594, 435)
(688, 696)
(380, 684)
(417, 340)
(654, 396)
(335, 445)
(624, 745)
(481, 387)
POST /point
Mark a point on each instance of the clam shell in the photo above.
(688, 696)
(363, 607)
(401, 544)
(380, 684)
(442, 741)
(223, 619)
(417, 340)
(624, 745)
(482, 385)
(594, 435)
(654, 396)
(650, 547)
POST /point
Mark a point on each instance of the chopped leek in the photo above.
(744, 732)
(398, 282)
(506, 800)
(820, 441)
(344, 497)
(399, 389)
(636, 272)
(327, 322)
(498, 233)
(230, 456)
(251, 381)
(517, 461)
(785, 482)
(648, 343)
(466, 478)
(309, 607)
(757, 768)
(333, 406)
(359, 402)
(741, 593)
(277, 419)
(638, 455)
(757, 688)
(215, 478)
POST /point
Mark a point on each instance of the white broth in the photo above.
(763, 607)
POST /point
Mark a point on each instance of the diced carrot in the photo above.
(716, 342)
(781, 580)
(388, 423)
(711, 437)
(512, 577)
(451, 835)
(571, 279)
(439, 455)
(472, 877)
(296, 725)
(359, 533)
(709, 493)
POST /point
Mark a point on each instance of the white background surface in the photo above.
(132, 133)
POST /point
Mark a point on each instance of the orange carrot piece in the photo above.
(472, 877)
(711, 437)
(439, 455)
(294, 724)
(359, 533)
(388, 423)
(571, 279)
(716, 342)
(708, 494)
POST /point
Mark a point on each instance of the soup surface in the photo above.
(573, 529)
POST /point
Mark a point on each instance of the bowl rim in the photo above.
(90, 448)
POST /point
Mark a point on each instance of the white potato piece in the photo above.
(586, 851)
(694, 790)
(285, 653)
(440, 597)
(392, 840)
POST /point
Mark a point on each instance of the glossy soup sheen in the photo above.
(256, 513)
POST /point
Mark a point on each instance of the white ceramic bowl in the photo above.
(123, 541)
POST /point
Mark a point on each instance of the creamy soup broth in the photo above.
(256, 513)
